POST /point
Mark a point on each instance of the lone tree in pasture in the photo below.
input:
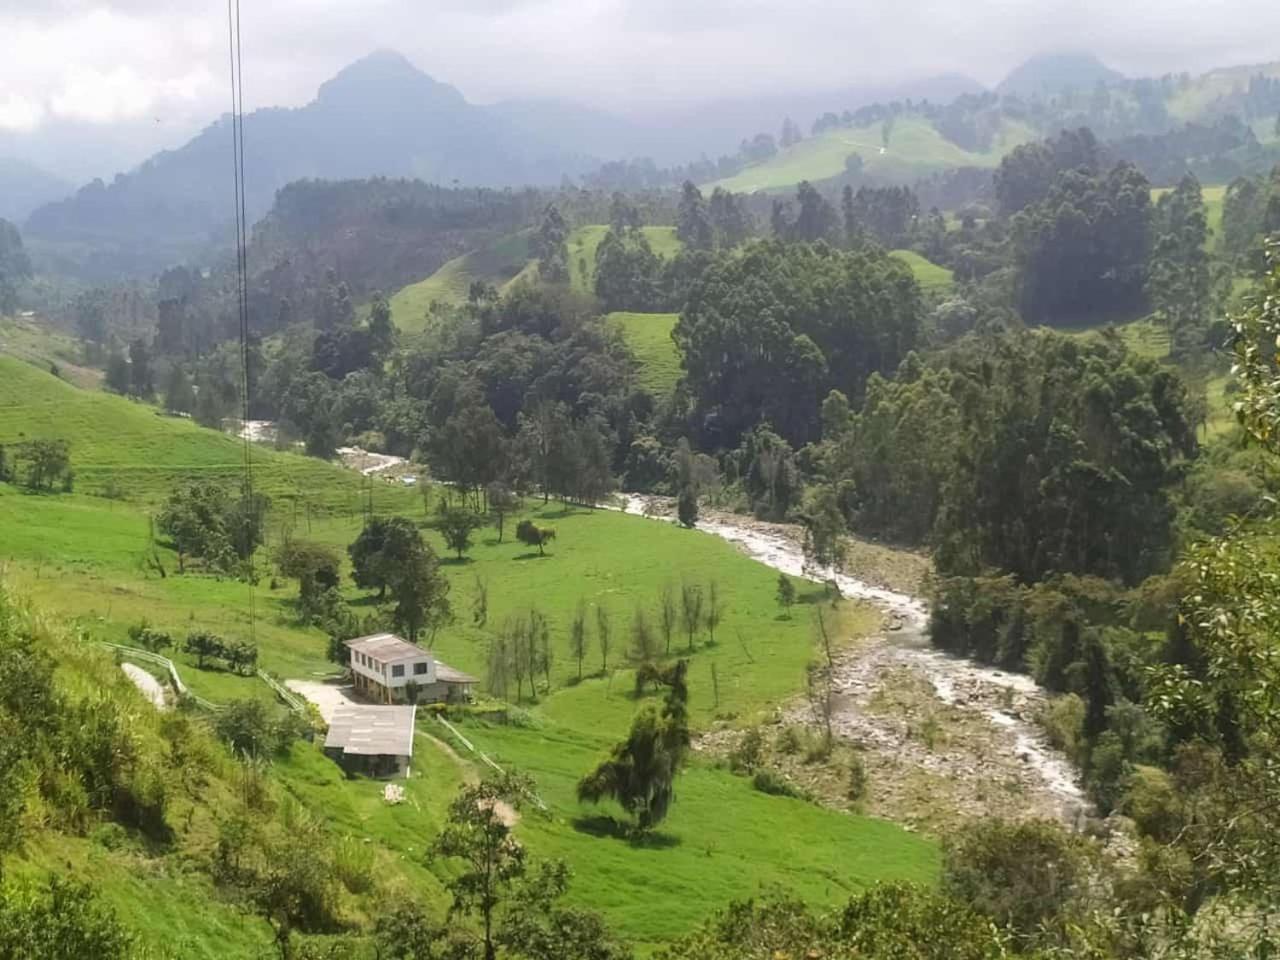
(824, 529)
(690, 609)
(644, 645)
(313, 565)
(715, 610)
(578, 635)
(420, 592)
(478, 833)
(786, 595)
(203, 646)
(503, 501)
(530, 534)
(456, 524)
(668, 616)
(687, 506)
(602, 636)
(47, 462)
(381, 549)
(640, 772)
(480, 603)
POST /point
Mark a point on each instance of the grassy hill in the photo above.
(582, 250)
(1213, 201)
(37, 343)
(499, 264)
(915, 149)
(1197, 100)
(931, 277)
(142, 452)
(81, 554)
(649, 336)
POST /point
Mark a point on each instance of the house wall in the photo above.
(421, 670)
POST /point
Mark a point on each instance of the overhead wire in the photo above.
(250, 505)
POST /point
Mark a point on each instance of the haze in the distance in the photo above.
(88, 87)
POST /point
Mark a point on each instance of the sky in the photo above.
(140, 74)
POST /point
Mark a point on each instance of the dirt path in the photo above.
(940, 736)
(150, 687)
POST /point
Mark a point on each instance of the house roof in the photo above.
(385, 647)
(372, 730)
(446, 674)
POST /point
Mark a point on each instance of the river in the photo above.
(996, 709)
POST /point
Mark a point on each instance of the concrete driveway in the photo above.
(327, 697)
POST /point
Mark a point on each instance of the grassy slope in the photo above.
(582, 251)
(498, 264)
(649, 336)
(1213, 200)
(39, 344)
(915, 149)
(80, 554)
(929, 275)
(1199, 96)
(1149, 339)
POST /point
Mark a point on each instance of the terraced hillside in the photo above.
(649, 336)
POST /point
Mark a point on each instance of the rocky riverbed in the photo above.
(940, 737)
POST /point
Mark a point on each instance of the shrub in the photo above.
(746, 756)
(353, 864)
(790, 740)
(773, 783)
(857, 778)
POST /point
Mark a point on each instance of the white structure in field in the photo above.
(385, 668)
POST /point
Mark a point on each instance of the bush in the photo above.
(745, 758)
(1022, 875)
(773, 783)
(790, 740)
(857, 779)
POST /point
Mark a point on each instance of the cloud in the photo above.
(116, 62)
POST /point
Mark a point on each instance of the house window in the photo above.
(398, 670)
(419, 668)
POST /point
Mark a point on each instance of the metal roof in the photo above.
(386, 647)
(372, 730)
(446, 674)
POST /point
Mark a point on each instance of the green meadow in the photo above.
(82, 555)
(649, 337)
(931, 277)
(499, 263)
(582, 251)
(915, 149)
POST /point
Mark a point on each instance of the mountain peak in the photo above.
(382, 76)
(1048, 73)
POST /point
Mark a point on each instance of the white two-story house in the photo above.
(385, 667)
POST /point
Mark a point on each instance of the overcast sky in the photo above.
(163, 63)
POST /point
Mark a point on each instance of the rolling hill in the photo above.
(499, 264)
(911, 148)
(81, 553)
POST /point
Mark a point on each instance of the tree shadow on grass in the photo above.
(455, 561)
(532, 555)
(560, 511)
(603, 827)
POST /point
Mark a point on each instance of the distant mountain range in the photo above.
(24, 187)
(381, 116)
